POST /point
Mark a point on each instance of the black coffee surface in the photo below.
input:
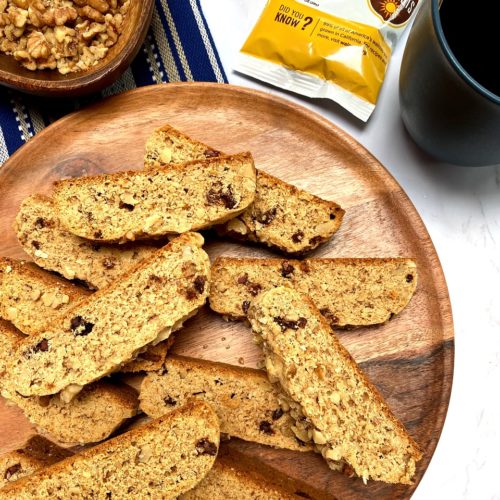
(472, 31)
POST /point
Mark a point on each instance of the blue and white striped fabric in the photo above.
(178, 47)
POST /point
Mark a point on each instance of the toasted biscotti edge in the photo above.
(256, 474)
(157, 153)
(279, 374)
(264, 425)
(103, 454)
(227, 478)
(9, 338)
(243, 169)
(37, 453)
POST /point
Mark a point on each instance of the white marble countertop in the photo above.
(461, 209)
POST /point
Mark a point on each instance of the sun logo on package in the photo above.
(394, 12)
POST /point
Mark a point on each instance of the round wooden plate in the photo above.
(410, 359)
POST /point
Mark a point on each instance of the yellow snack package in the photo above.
(335, 49)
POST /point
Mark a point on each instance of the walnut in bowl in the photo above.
(69, 47)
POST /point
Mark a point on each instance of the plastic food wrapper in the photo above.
(335, 49)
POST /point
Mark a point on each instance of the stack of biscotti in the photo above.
(313, 396)
(348, 292)
(36, 454)
(161, 459)
(31, 299)
(91, 416)
(112, 326)
(281, 216)
(246, 403)
(332, 402)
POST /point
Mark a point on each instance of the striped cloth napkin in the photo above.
(178, 47)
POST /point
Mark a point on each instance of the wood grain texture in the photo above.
(51, 83)
(410, 359)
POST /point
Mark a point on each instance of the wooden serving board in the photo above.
(410, 359)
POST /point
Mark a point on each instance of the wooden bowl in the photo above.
(51, 83)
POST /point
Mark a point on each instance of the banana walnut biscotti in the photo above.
(246, 403)
(161, 459)
(36, 454)
(348, 292)
(32, 299)
(333, 403)
(112, 326)
(281, 216)
(156, 202)
(239, 475)
(227, 480)
(97, 411)
(52, 247)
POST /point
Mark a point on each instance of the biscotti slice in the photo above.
(246, 403)
(91, 416)
(348, 292)
(333, 403)
(54, 248)
(31, 298)
(156, 202)
(239, 474)
(115, 324)
(95, 413)
(227, 480)
(169, 145)
(285, 217)
(37, 453)
(281, 216)
(161, 459)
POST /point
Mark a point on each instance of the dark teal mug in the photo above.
(449, 89)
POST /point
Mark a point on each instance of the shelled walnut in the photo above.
(67, 35)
